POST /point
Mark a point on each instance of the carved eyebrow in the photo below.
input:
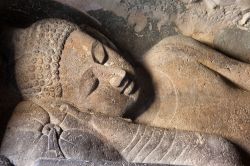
(99, 53)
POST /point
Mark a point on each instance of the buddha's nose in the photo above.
(117, 77)
(121, 81)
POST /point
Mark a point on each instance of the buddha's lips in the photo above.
(127, 87)
(130, 90)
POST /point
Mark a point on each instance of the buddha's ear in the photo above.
(88, 83)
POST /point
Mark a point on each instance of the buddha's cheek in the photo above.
(108, 101)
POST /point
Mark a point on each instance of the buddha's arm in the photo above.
(23, 141)
(145, 144)
(236, 71)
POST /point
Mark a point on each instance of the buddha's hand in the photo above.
(66, 108)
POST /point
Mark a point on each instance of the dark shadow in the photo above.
(146, 95)
(22, 13)
(10, 95)
(245, 157)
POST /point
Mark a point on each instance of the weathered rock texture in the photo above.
(63, 162)
(195, 87)
(203, 20)
(199, 89)
(75, 90)
(67, 133)
(4, 161)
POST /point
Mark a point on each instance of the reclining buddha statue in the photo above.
(76, 90)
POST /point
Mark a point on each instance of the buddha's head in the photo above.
(55, 60)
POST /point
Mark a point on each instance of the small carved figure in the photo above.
(75, 91)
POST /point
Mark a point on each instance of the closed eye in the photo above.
(99, 53)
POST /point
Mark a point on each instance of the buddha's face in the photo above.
(95, 77)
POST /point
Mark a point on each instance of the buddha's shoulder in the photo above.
(28, 107)
(26, 111)
(172, 48)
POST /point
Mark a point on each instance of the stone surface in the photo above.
(4, 161)
(135, 143)
(63, 69)
(203, 20)
(137, 25)
(235, 43)
(63, 162)
(75, 90)
(101, 15)
(198, 89)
